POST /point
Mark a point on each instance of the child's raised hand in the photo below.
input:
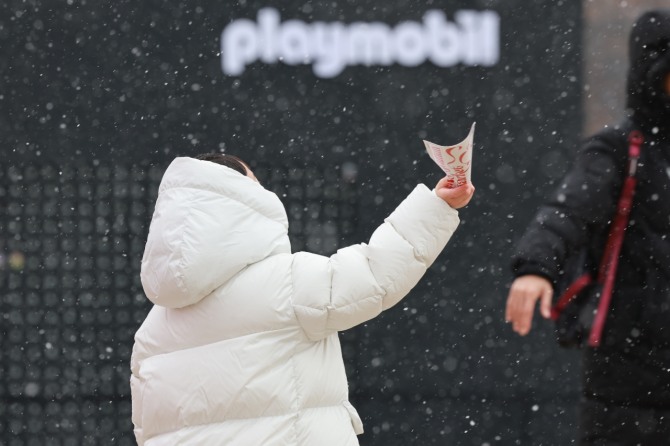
(456, 197)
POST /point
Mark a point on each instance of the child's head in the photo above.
(230, 161)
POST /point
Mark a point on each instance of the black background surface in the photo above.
(96, 98)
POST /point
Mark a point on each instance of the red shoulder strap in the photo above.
(610, 259)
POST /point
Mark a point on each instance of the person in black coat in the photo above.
(626, 380)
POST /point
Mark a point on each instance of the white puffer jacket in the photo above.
(241, 346)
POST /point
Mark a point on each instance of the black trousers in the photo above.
(605, 424)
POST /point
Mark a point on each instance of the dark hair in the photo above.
(225, 160)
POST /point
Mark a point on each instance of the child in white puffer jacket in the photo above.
(241, 346)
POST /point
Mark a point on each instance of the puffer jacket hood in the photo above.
(649, 53)
(190, 249)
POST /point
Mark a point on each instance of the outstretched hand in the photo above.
(457, 197)
(523, 294)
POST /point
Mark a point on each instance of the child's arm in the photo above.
(358, 282)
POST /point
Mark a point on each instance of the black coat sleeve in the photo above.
(577, 212)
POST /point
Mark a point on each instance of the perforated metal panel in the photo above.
(71, 239)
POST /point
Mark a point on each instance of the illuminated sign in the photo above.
(473, 38)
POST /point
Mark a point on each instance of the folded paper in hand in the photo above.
(455, 161)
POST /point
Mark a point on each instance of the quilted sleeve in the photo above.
(360, 281)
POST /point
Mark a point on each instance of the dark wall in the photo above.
(96, 100)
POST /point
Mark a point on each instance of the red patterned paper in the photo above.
(455, 160)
